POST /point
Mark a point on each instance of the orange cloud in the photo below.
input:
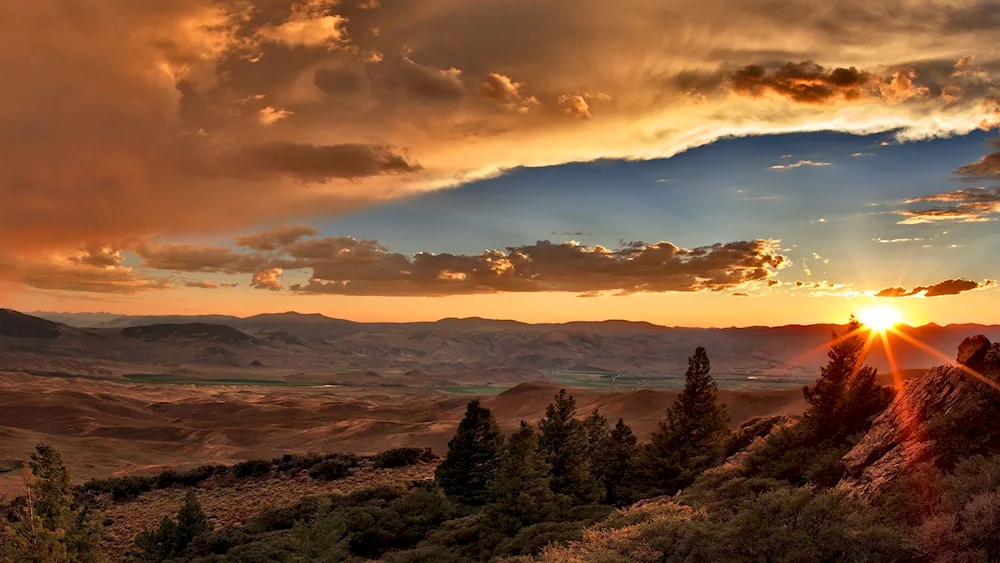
(810, 83)
(972, 205)
(163, 128)
(348, 266)
(507, 93)
(947, 287)
(267, 279)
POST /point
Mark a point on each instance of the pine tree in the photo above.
(519, 493)
(473, 456)
(191, 521)
(563, 439)
(598, 431)
(688, 441)
(173, 537)
(616, 464)
(49, 527)
(51, 488)
(847, 396)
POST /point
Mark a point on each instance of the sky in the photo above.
(710, 163)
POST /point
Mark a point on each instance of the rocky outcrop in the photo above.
(898, 441)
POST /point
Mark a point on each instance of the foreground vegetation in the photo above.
(575, 487)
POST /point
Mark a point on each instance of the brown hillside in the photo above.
(105, 427)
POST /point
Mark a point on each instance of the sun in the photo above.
(880, 318)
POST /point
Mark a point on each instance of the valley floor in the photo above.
(108, 428)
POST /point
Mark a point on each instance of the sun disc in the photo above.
(880, 318)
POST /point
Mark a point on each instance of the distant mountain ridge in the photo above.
(481, 346)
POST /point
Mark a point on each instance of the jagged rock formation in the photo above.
(898, 440)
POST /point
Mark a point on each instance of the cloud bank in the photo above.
(139, 118)
(349, 266)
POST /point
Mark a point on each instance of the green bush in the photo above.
(750, 430)
(966, 523)
(274, 519)
(401, 457)
(531, 540)
(252, 468)
(334, 468)
(189, 478)
(121, 488)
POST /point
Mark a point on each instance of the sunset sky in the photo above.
(695, 163)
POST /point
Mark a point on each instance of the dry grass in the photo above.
(236, 503)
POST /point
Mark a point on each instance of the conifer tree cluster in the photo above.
(47, 525)
(565, 460)
(174, 536)
(841, 406)
(847, 396)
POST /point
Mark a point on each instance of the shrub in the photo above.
(292, 462)
(532, 539)
(219, 542)
(274, 519)
(967, 524)
(381, 493)
(756, 427)
(401, 457)
(783, 525)
(121, 488)
(334, 468)
(189, 478)
(252, 468)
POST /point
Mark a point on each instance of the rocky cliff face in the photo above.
(899, 439)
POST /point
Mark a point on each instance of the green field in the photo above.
(474, 389)
(168, 379)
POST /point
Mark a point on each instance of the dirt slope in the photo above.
(104, 427)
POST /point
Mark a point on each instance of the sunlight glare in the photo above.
(880, 318)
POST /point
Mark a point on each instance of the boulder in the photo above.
(993, 354)
(896, 442)
(973, 350)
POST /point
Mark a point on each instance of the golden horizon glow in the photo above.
(880, 318)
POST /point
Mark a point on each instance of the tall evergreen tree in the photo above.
(841, 405)
(598, 431)
(563, 439)
(172, 538)
(615, 464)
(473, 456)
(191, 521)
(847, 396)
(688, 441)
(49, 527)
(519, 493)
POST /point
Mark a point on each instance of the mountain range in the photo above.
(313, 347)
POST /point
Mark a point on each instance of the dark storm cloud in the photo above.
(810, 83)
(320, 163)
